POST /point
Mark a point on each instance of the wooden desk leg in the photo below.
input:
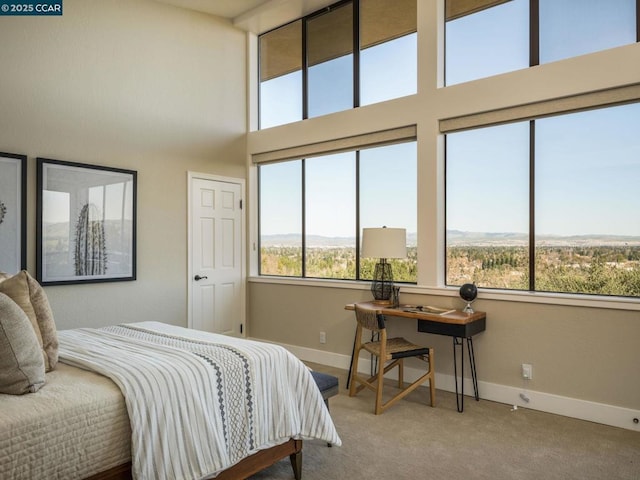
(353, 351)
(374, 360)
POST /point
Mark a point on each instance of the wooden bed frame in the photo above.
(245, 468)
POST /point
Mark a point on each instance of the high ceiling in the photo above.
(254, 15)
(223, 8)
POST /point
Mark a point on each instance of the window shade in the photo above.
(530, 111)
(330, 35)
(281, 51)
(460, 8)
(367, 140)
(382, 20)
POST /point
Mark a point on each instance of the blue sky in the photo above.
(587, 174)
(587, 164)
(331, 192)
(389, 71)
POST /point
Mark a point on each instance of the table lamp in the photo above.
(383, 243)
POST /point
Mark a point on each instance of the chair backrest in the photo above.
(369, 318)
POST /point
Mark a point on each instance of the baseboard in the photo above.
(544, 402)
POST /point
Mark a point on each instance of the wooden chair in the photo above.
(394, 350)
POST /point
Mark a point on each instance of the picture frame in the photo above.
(86, 223)
(13, 212)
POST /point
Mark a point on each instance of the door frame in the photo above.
(243, 260)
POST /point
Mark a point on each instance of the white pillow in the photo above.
(31, 298)
(21, 360)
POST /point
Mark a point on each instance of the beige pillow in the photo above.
(21, 361)
(30, 296)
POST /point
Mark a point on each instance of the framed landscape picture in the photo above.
(86, 223)
(13, 211)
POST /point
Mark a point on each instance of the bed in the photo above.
(88, 421)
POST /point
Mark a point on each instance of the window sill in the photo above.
(590, 301)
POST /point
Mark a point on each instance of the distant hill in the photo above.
(461, 238)
(294, 239)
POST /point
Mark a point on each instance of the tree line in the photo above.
(599, 270)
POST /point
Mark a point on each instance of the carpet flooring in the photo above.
(488, 441)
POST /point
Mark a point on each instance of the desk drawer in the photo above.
(452, 329)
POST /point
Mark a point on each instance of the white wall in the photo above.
(132, 84)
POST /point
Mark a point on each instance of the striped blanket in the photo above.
(200, 402)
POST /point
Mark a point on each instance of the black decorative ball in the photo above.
(468, 292)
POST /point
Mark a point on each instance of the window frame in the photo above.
(430, 280)
(358, 229)
(625, 96)
(356, 49)
(534, 37)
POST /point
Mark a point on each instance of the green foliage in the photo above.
(284, 261)
(494, 266)
(595, 276)
(336, 262)
(599, 270)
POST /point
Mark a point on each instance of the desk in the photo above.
(458, 325)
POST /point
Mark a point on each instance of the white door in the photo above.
(216, 243)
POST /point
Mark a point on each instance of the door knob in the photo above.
(198, 277)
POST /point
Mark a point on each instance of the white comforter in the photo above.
(200, 402)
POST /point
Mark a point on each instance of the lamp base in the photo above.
(381, 302)
(382, 284)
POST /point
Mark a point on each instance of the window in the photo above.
(575, 231)
(330, 216)
(281, 75)
(388, 197)
(489, 37)
(575, 27)
(334, 196)
(492, 41)
(488, 225)
(338, 69)
(330, 61)
(281, 219)
(587, 202)
(388, 50)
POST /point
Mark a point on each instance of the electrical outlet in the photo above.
(323, 337)
(527, 371)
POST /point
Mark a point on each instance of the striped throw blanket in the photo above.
(200, 402)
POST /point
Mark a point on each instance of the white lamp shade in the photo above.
(384, 243)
